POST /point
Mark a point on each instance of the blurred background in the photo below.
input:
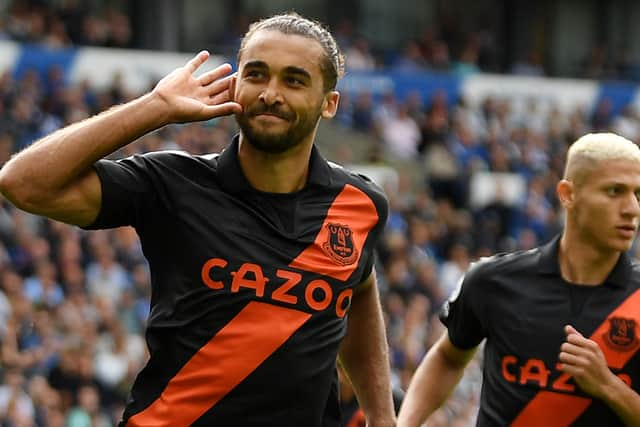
(461, 110)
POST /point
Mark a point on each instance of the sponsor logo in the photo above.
(339, 246)
(281, 286)
(537, 373)
(622, 334)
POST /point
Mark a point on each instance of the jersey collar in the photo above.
(233, 180)
(548, 264)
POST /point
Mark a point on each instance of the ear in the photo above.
(565, 190)
(330, 104)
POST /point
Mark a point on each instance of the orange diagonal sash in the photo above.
(352, 207)
(561, 410)
(229, 357)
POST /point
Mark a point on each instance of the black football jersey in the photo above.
(250, 290)
(520, 304)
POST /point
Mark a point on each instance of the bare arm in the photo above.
(433, 381)
(365, 357)
(54, 176)
(583, 359)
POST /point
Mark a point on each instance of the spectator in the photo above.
(358, 56)
(16, 407)
(529, 65)
(106, 278)
(401, 135)
(88, 412)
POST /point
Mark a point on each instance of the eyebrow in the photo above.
(291, 69)
(619, 184)
(256, 64)
(297, 70)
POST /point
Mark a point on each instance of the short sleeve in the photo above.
(463, 312)
(382, 207)
(129, 192)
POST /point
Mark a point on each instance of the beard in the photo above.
(276, 142)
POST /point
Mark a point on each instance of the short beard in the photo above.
(277, 143)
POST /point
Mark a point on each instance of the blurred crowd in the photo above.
(65, 23)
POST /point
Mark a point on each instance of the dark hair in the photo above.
(332, 65)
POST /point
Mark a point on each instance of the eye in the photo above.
(613, 191)
(294, 81)
(254, 74)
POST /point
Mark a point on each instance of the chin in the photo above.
(621, 245)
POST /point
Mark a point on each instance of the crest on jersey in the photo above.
(622, 334)
(339, 246)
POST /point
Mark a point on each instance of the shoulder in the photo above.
(177, 157)
(342, 176)
(174, 160)
(503, 264)
(635, 272)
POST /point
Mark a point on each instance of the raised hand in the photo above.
(583, 359)
(188, 98)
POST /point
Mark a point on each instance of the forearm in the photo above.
(432, 383)
(57, 160)
(365, 357)
(624, 401)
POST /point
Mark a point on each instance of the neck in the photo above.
(582, 263)
(275, 173)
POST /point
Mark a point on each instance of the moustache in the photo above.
(271, 110)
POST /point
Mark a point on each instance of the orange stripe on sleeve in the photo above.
(227, 359)
(561, 410)
(352, 209)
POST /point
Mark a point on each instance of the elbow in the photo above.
(14, 187)
(9, 184)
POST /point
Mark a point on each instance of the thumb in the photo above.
(568, 330)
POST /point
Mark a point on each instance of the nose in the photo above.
(632, 207)
(270, 94)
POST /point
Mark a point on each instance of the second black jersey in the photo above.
(520, 304)
(250, 290)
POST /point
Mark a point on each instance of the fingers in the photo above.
(215, 74)
(219, 98)
(197, 61)
(218, 86)
(575, 337)
(223, 109)
(568, 329)
(573, 354)
(577, 344)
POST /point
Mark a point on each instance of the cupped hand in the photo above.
(583, 359)
(188, 98)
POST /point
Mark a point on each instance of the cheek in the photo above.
(245, 95)
(241, 97)
(596, 216)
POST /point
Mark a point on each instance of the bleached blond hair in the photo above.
(592, 148)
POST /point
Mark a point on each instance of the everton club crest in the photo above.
(622, 334)
(339, 246)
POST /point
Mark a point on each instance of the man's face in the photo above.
(280, 87)
(606, 208)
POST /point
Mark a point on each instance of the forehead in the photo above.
(620, 171)
(279, 50)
